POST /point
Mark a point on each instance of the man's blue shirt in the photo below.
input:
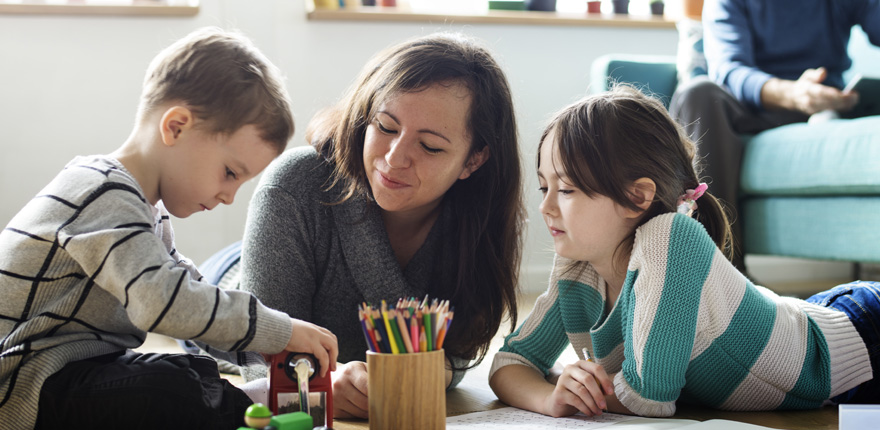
(749, 41)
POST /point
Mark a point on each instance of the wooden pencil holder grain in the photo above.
(407, 391)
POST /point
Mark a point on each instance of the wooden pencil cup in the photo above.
(407, 391)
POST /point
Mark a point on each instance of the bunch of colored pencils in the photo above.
(410, 327)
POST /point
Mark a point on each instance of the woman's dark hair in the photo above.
(608, 141)
(487, 206)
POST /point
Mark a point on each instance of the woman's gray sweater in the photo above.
(317, 260)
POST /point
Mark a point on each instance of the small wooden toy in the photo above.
(257, 416)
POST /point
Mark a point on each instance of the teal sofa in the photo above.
(807, 190)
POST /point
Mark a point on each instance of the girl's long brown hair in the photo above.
(609, 140)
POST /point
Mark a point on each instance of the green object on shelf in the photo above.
(507, 5)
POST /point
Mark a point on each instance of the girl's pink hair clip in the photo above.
(687, 202)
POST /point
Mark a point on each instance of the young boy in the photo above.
(88, 266)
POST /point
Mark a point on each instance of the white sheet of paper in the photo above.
(513, 418)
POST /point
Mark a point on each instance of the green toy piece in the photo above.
(292, 421)
(257, 416)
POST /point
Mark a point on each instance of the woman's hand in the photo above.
(582, 386)
(350, 390)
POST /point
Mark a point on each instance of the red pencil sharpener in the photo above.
(295, 384)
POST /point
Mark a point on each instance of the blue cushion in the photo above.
(826, 228)
(832, 158)
(653, 74)
(218, 264)
(691, 60)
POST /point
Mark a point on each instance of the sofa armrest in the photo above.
(653, 74)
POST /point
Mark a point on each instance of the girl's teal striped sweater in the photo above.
(687, 325)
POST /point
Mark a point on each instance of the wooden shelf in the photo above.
(91, 7)
(369, 13)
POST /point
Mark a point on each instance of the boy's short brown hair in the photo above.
(225, 80)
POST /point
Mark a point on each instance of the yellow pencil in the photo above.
(587, 355)
(590, 359)
(390, 336)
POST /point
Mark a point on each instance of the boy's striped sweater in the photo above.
(87, 268)
(687, 325)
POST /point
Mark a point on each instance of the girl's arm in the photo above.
(521, 387)
(583, 386)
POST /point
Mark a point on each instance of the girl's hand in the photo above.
(350, 391)
(581, 387)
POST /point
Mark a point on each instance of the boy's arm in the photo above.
(112, 239)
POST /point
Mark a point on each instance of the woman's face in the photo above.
(417, 146)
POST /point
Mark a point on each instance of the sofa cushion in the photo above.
(690, 59)
(652, 74)
(844, 228)
(832, 158)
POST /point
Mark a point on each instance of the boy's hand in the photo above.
(581, 387)
(316, 340)
(350, 391)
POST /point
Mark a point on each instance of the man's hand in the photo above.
(807, 94)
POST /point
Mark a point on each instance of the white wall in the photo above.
(70, 85)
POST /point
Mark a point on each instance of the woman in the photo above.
(412, 186)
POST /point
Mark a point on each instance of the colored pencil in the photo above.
(388, 330)
(428, 332)
(414, 332)
(409, 326)
(423, 341)
(404, 333)
(366, 330)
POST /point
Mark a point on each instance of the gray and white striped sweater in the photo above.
(87, 267)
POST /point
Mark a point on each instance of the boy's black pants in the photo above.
(141, 391)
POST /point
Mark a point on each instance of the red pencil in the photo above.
(414, 332)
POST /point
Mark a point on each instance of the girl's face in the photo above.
(417, 146)
(583, 228)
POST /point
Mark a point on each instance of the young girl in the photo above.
(641, 284)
